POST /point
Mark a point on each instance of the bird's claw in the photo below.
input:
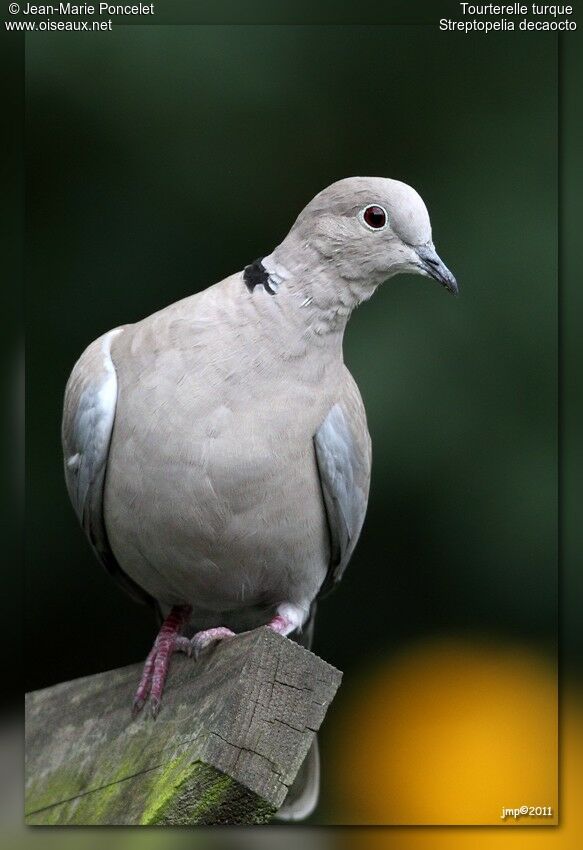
(137, 706)
(183, 644)
(158, 661)
(209, 636)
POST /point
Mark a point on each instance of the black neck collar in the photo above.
(256, 274)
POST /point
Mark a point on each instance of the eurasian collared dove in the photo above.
(217, 452)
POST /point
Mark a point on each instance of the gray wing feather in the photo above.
(88, 417)
(343, 469)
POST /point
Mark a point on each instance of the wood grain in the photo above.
(234, 729)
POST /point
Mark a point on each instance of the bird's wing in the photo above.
(344, 466)
(88, 417)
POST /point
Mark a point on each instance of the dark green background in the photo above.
(161, 159)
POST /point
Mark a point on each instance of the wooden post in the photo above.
(232, 733)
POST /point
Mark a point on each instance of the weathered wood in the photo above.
(234, 728)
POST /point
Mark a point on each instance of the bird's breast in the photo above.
(218, 502)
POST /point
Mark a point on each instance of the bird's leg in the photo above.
(288, 618)
(158, 660)
(203, 639)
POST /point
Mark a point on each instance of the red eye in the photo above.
(375, 217)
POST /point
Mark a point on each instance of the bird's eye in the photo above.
(374, 217)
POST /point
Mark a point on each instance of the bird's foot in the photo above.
(288, 618)
(205, 638)
(158, 661)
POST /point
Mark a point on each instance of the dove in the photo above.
(217, 452)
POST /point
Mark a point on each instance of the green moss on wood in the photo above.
(180, 792)
(208, 796)
(83, 800)
(166, 788)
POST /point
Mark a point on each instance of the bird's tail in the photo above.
(302, 796)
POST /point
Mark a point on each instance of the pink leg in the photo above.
(203, 639)
(289, 617)
(279, 624)
(158, 660)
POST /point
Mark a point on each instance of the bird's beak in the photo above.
(433, 265)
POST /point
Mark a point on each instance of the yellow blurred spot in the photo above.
(449, 733)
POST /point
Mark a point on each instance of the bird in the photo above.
(217, 452)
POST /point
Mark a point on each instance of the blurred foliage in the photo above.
(161, 159)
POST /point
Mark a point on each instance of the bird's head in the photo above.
(366, 229)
